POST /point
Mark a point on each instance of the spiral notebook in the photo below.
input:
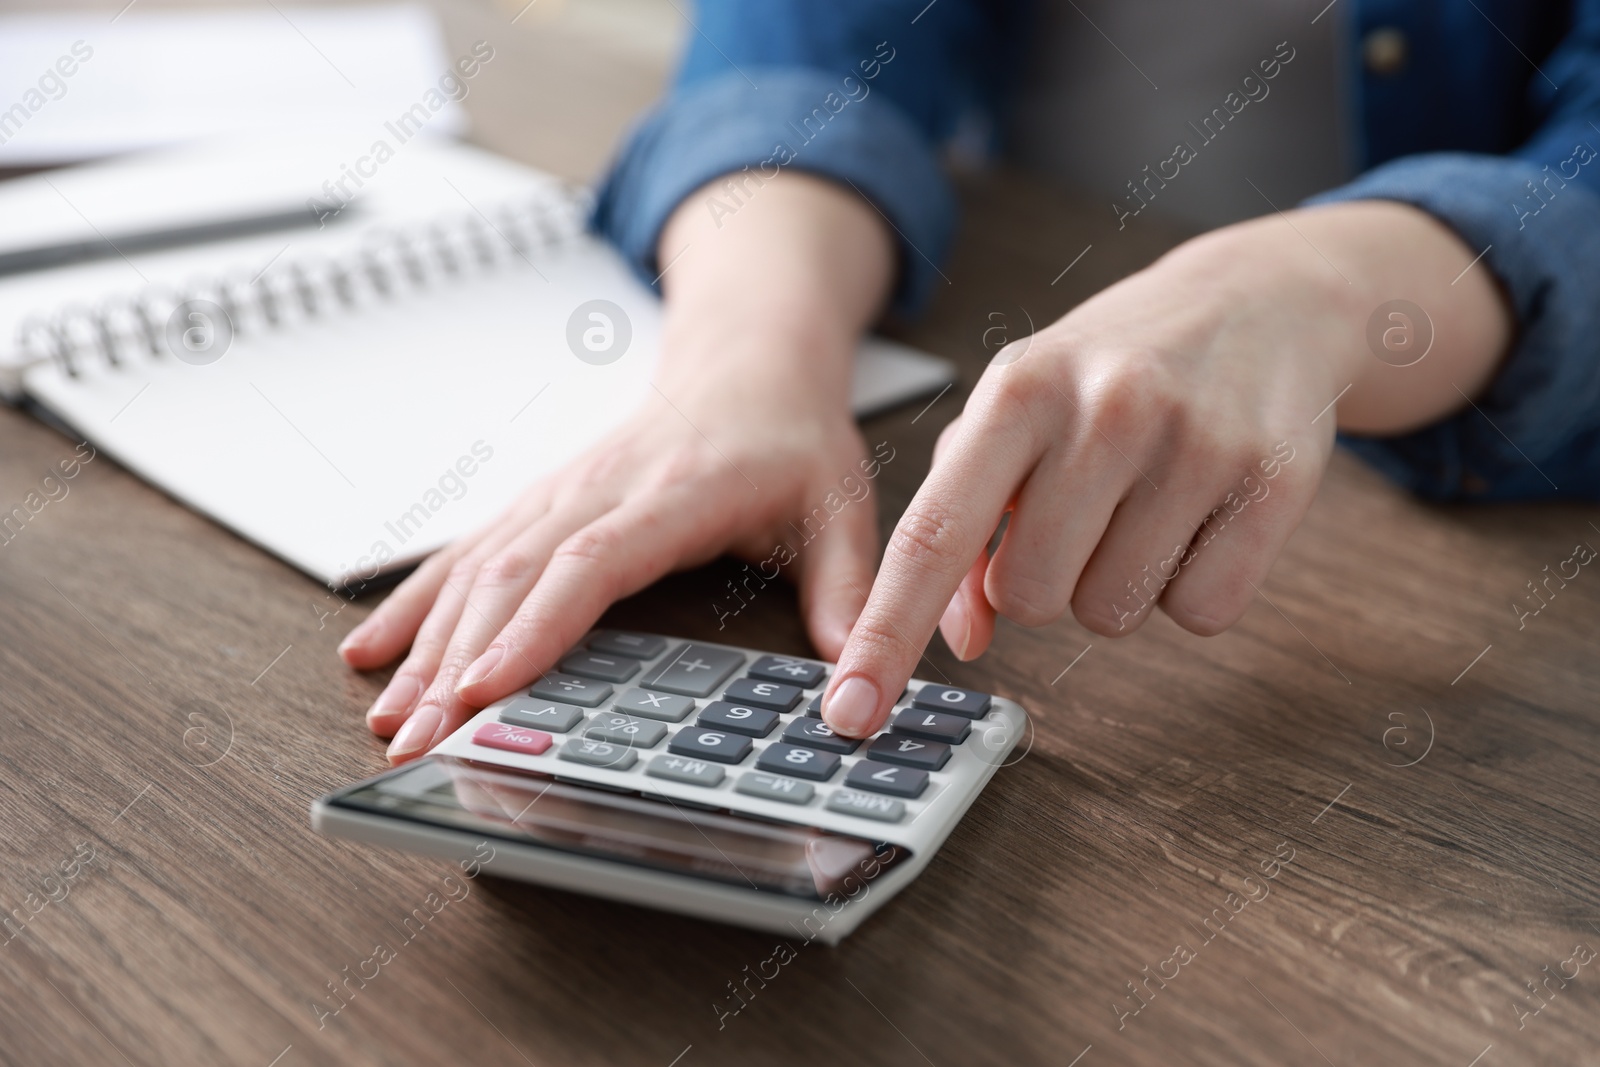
(353, 396)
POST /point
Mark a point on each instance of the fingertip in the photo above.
(480, 671)
(415, 736)
(853, 708)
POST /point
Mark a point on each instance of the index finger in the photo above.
(949, 522)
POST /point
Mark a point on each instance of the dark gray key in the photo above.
(695, 671)
(752, 722)
(800, 762)
(622, 643)
(667, 707)
(626, 730)
(774, 695)
(684, 769)
(598, 753)
(799, 672)
(716, 745)
(933, 725)
(774, 787)
(814, 733)
(604, 668)
(887, 778)
(866, 805)
(953, 700)
(541, 714)
(570, 689)
(915, 752)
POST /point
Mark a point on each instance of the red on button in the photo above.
(512, 738)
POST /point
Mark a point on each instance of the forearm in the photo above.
(1361, 255)
(775, 294)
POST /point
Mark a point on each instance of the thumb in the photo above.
(835, 572)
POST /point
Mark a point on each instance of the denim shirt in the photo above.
(1492, 126)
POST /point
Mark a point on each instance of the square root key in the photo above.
(799, 672)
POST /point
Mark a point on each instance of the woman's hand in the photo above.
(491, 613)
(747, 430)
(1160, 443)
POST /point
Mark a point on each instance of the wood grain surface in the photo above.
(1358, 828)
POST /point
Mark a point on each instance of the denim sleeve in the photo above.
(862, 93)
(1535, 215)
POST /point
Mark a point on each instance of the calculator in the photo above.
(693, 777)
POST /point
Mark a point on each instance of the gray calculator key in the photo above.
(955, 701)
(800, 762)
(915, 752)
(541, 714)
(866, 805)
(668, 707)
(695, 671)
(752, 722)
(622, 643)
(626, 730)
(801, 672)
(774, 787)
(570, 689)
(774, 695)
(598, 753)
(814, 708)
(814, 733)
(605, 668)
(684, 769)
(933, 725)
(716, 745)
(887, 778)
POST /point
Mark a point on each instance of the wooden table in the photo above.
(1377, 733)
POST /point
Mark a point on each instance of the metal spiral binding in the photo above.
(387, 265)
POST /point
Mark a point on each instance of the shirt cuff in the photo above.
(799, 119)
(1536, 430)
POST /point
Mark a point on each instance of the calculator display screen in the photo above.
(720, 846)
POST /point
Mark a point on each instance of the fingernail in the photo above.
(416, 733)
(397, 696)
(853, 706)
(361, 635)
(482, 667)
(956, 626)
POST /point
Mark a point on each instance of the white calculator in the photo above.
(695, 778)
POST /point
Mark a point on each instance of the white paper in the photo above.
(82, 86)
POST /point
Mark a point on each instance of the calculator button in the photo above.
(598, 753)
(814, 733)
(932, 725)
(695, 671)
(570, 689)
(866, 805)
(922, 754)
(683, 769)
(885, 778)
(752, 722)
(956, 701)
(664, 706)
(605, 668)
(710, 744)
(774, 787)
(814, 709)
(621, 643)
(799, 672)
(626, 730)
(800, 762)
(774, 695)
(541, 714)
(512, 738)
